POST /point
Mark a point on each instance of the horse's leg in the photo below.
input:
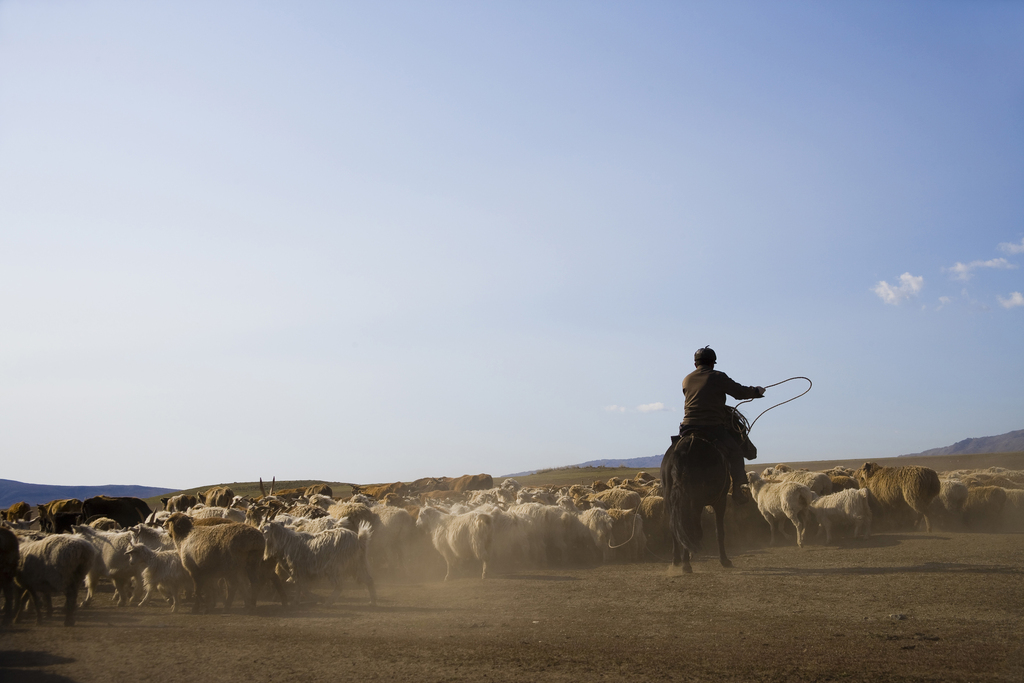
(687, 569)
(720, 533)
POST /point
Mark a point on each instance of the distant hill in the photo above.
(34, 494)
(1010, 442)
(641, 463)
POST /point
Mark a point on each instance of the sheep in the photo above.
(842, 482)
(535, 495)
(393, 531)
(307, 511)
(112, 547)
(463, 537)
(628, 537)
(652, 510)
(179, 503)
(817, 482)
(983, 509)
(231, 551)
(9, 557)
(154, 538)
(213, 511)
(512, 544)
(847, 506)
(778, 501)
(311, 526)
(161, 570)
(321, 501)
(328, 554)
(104, 524)
(354, 513)
(599, 523)
(898, 488)
(947, 509)
(56, 564)
(220, 496)
(548, 527)
(620, 498)
(158, 518)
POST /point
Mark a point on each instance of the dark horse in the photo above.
(694, 474)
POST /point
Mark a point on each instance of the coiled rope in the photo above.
(809, 385)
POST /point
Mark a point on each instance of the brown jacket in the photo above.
(705, 389)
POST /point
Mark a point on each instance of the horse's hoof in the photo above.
(687, 569)
(727, 564)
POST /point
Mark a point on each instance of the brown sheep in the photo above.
(319, 490)
(231, 551)
(218, 496)
(379, 490)
(983, 510)
(897, 489)
(623, 499)
(652, 510)
(16, 512)
(472, 482)
(841, 482)
(179, 503)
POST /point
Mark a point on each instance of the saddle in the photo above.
(719, 435)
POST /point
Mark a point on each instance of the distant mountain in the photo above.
(645, 462)
(1011, 442)
(34, 494)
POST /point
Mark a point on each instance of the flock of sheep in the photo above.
(209, 548)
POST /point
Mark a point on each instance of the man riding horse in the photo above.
(707, 416)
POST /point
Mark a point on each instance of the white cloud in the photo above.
(909, 286)
(962, 271)
(615, 409)
(1015, 299)
(943, 300)
(650, 408)
(1011, 248)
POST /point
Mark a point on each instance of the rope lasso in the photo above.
(809, 385)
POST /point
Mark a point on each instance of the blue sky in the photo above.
(378, 241)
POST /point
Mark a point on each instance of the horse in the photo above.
(694, 474)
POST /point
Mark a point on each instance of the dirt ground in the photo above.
(897, 607)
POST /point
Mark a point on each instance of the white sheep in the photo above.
(161, 570)
(113, 548)
(215, 511)
(818, 482)
(846, 507)
(460, 537)
(781, 500)
(327, 555)
(600, 525)
(56, 564)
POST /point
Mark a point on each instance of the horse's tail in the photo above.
(684, 521)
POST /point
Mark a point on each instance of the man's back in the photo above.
(705, 390)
